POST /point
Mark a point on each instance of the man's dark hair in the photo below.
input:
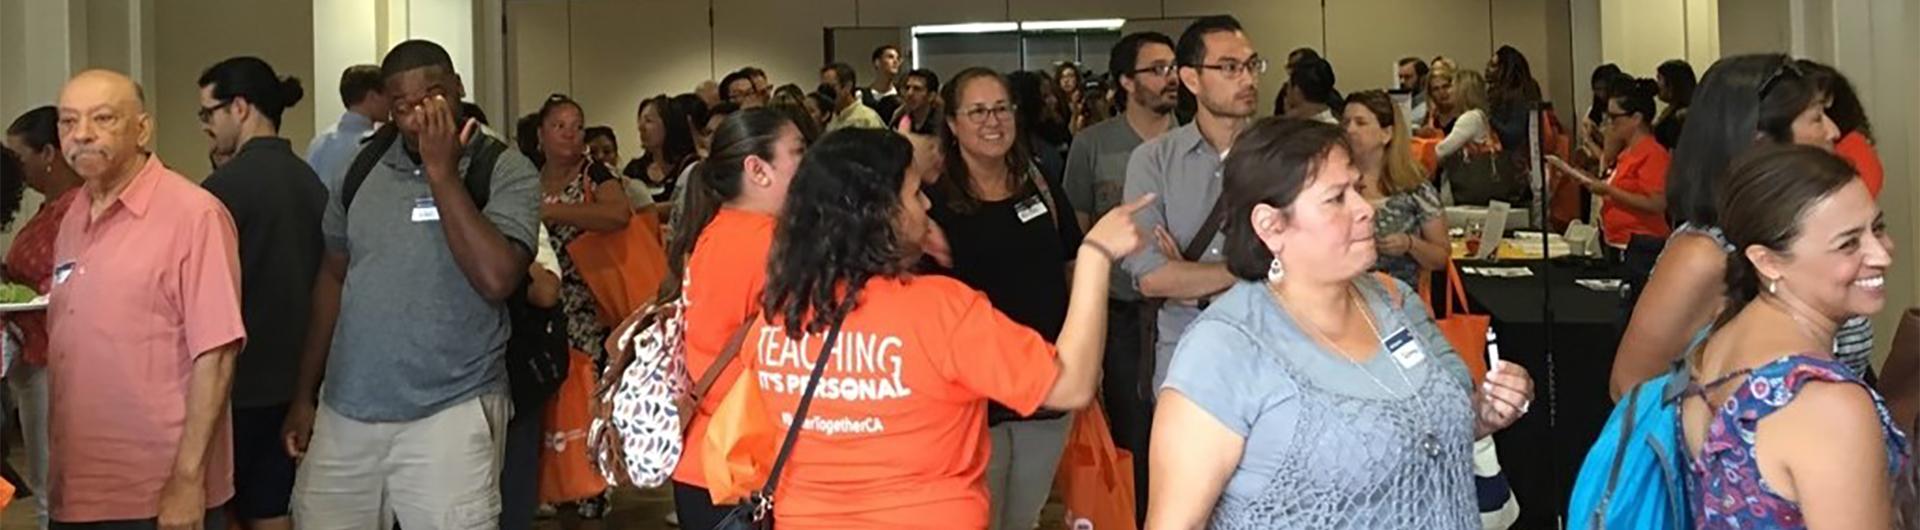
(1125, 55)
(882, 50)
(726, 94)
(358, 81)
(413, 55)
(1192, 50)
(842, 73)
(252, 79)
(753, 71)
(932, 79)
(1315, 79)
(1420, 68)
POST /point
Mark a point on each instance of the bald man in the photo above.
(143, 327)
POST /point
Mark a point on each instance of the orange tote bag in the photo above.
(1095, 478)
(566, 469)
(622, 268)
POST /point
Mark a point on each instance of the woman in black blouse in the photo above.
(1012, 237)
(667, 137)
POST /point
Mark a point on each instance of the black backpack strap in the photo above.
(479, 177)
(371, 150)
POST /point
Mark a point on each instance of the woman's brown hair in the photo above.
(1403, 174)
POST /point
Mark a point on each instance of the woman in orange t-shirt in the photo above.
(896, 436)
(722, 244)
(1848, 115)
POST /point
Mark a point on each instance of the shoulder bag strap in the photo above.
(1046, 194)
(800, 413)
(1216, 218)
(727, 354)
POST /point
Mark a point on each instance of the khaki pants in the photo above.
(436, 473)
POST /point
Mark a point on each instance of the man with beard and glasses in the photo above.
(1220, 67)
(1143, 67)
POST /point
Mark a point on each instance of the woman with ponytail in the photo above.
(1779, 434)
(718, 260)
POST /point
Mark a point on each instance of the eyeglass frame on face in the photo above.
(1162, 70)
(978, 114)
(206, 113)
(1254, 65)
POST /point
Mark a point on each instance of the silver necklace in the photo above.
(1429, 443)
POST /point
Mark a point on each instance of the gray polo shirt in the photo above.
(414, 337)
(1184, 170)
(1097, 178)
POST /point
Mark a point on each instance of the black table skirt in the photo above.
(1570, 362)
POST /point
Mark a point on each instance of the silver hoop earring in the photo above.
(1276, 271)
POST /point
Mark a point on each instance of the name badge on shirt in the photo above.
(1031, 209)
(424, 210)
(1404, 349)
(61, 272)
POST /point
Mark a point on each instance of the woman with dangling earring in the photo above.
(1780, 433)
(1313, 394)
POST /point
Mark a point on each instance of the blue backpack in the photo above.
(1635, 476)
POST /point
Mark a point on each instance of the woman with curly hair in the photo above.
(896, 434)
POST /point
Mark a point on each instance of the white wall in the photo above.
(353, 36)
(1638, 35)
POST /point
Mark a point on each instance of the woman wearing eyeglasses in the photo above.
(1013, 235)
(1742, 102)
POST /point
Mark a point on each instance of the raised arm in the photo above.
(1683, 296)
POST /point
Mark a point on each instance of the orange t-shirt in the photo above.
(1640, 170)
(725, 274)
(1859, 151)
(897, 433)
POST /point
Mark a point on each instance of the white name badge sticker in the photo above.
(424, 210)
(1031, 209)
(1404, 349)
(61, 272)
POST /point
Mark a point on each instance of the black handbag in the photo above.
(755, 512)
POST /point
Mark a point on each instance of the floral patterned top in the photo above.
(1732, 494)
(1404, 213)
(585, 332)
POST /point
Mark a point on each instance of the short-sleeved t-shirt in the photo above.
(1097, 179)
(1641, 170)
(414, 337)
(277, 203)
(138, 295)
(725, 275)
(1227, 365)
(897, 433)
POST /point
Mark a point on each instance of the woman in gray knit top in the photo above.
(1313, 394)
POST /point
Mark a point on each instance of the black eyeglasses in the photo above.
(1232, 69)
(1789, 68)
(206, 113)
(1161, 70)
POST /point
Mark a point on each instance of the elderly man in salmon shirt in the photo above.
(144, 323)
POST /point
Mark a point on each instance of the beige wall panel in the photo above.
(537, 61)
(625, 51)
(1078, 9)
(784, 38)
(1366, 37)
(278, 31)
(912, 12)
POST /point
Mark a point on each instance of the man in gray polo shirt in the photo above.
(1096, 177)
(1219, 65)
(412, 289)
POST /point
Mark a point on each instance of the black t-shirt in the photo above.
(663, 191)
(1020, 265)
(276, 202)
